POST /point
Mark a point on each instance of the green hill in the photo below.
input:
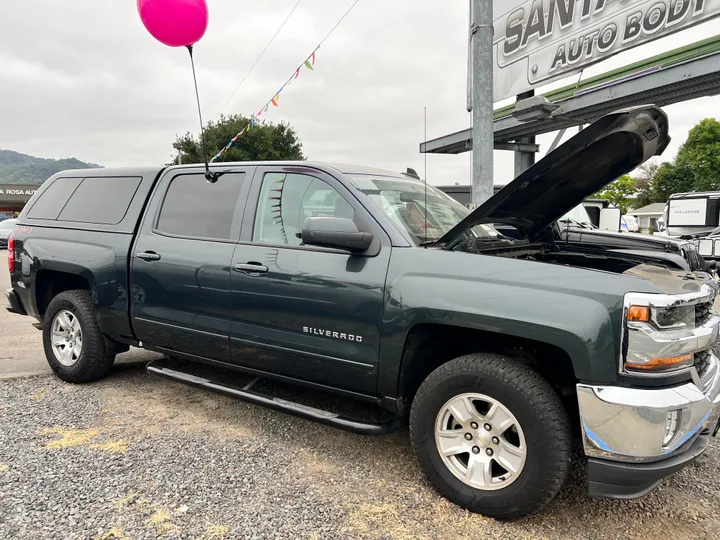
(16, 168)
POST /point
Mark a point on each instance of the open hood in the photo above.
(614, 145)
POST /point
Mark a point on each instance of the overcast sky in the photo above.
(84, 79)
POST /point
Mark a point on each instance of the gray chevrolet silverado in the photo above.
(499, 350)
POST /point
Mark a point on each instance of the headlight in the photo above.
(644, 355)
(671, 318)
(663, 332)
(674, 318)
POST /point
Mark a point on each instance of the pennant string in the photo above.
(308, 63)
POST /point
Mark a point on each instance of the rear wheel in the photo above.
(491, 435)
(74, 345)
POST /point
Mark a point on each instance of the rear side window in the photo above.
(53, 199)
(102, 200)
(196, 208)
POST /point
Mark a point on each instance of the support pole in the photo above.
(524, 160)
(469, 105)
(483, 137)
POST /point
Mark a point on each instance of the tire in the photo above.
(90, 359)
(540, 421)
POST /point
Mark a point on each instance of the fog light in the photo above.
(671, 425)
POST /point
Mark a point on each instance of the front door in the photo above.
(302, 311)
(181, 263)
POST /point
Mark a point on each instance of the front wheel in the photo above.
(491, 435)
(74, 344)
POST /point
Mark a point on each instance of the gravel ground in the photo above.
(137, 457)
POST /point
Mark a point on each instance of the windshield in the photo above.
(7, 224)
(577, 216)
(403, 201)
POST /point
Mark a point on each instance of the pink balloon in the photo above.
(176, 23)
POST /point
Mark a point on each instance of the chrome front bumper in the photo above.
(631, 424)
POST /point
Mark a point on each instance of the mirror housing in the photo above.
(338, 233)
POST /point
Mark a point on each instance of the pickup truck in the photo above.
(500, 352)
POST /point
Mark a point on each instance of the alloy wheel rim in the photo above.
(66, 335)
(480, 441)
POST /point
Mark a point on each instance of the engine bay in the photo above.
(549, 252)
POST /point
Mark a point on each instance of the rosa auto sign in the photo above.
(13, 192)
(540, 41)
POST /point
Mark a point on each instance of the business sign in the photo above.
(12, 193)
(692, 212)
(540, 41)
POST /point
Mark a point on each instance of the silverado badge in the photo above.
(330, 334)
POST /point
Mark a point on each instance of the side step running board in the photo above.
(161, 369)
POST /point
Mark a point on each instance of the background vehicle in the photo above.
(629, 224)
(692, 214)
(6, 227)
(372, 285)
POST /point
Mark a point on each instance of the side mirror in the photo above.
(332, 232)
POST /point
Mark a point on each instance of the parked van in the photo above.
(629, 224)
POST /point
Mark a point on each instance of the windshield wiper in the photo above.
(575, 222)
(428, 242)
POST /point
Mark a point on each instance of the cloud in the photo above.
(85, 79)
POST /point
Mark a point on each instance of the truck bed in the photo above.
(79, 227)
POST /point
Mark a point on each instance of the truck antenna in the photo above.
(425, 175)
(210, 177)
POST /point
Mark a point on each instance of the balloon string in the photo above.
(208, 175)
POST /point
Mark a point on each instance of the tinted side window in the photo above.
(195, 207)
(286, 200)
(53, 199)
(101, 200)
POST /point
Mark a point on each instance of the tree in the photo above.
(620, 192)
(672, 178)
(700, 155)
(267, 141)
(644, 176)
(696, 167)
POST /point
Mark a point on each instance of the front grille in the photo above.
(703, 313)
(702, 363)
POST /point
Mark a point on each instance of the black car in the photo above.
(6, 229)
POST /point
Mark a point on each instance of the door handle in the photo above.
(148, 256)
(251, 268)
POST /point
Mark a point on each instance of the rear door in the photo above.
(181, 262)
(301, 311)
